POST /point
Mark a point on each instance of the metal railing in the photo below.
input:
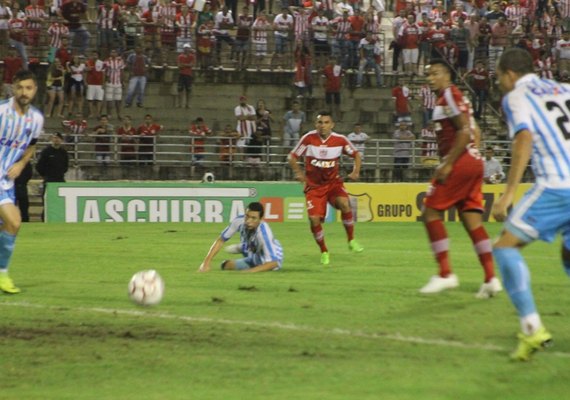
(267, 161)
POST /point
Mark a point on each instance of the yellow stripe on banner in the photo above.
(402, 202)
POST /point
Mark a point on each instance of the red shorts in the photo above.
(461, 189)
(318, 197)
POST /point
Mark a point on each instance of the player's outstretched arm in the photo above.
(521, 152)
(214, 249)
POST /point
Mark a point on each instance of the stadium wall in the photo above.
(93, 202)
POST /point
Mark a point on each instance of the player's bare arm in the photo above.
(214, 249)
(16, 169)
(464, 134)
(355, 174)
(297, 171)
(521, 152)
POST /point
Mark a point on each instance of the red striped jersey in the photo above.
(428, 97)
(107, 17)
(322, 156)
(35, 12)
(56, 31)
(184, 23)
(114, 70)
(450, 104)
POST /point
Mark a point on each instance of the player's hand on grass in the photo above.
(204, 267)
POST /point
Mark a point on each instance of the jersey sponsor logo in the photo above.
(323, 163)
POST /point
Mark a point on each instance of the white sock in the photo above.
(531, 323)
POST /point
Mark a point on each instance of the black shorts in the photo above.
(321, 48)
(184, 83)
(332, 96)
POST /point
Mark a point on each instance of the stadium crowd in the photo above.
(96, 50)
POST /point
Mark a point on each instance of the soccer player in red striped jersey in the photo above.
(322, 149)
(456, 183)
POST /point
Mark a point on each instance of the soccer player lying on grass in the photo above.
(537, 112)
(261, 250)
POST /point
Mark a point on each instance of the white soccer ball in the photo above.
(146, 288)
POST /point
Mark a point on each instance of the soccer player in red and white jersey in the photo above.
(322, 149)
(456, 183)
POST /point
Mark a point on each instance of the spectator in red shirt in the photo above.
(16, 34)
(356, 34)
(94, 79)
(409, 37)
(479, 80)
(333, 74)
(403, 109)
(198, 131)
(127, 138)
(186, 62)
(35, 18)
(12, 64)
(147, 138)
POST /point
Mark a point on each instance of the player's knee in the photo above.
(224, 263)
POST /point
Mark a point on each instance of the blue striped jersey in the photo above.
(16, 132)
(260, 242)
(542, 107)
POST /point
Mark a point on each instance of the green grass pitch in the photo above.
(357, 329)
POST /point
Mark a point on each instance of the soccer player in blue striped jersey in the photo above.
(20, 126)
(538, 115)
(262, 252)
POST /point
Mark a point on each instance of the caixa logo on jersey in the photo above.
(323, 163)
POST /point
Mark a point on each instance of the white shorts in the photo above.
(113, 92)
(410, 56)
(260, 49)
(95, 92)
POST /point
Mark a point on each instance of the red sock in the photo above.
(484, 249)
(319, 236)
(439, 245)
(348, 223)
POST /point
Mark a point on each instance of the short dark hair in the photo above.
(24, 75)
(256, 206)
(442, 63)
(324, 113)
(517, 60)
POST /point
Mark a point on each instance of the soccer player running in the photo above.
(322, 149)
(456, 182)
(262, 252)
(537, 112)
(20, 126)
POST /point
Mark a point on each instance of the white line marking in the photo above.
(397, 337)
